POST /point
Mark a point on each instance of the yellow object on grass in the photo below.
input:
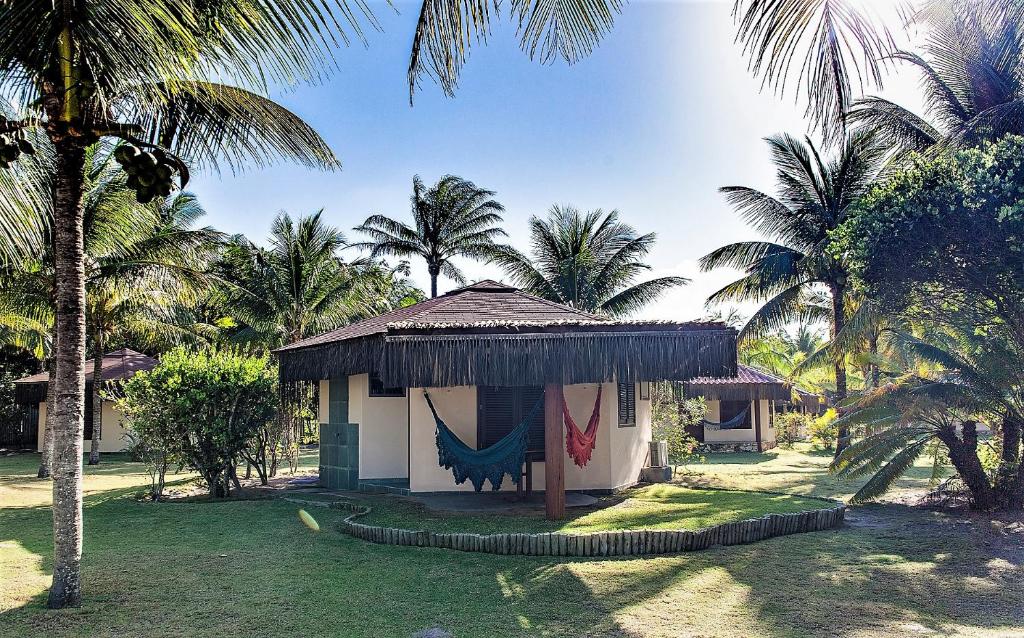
(308, 521)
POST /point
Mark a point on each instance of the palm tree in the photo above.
(132, 292)
(297, 287)
(453, 218)
(588, 261)
(953, 379)
(138, 259)
(144, 72)
(972, 73)
(815, 197)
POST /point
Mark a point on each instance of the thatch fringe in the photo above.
(739, 391)
(444, 360)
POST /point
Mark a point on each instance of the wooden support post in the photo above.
(757, 424)
(554, 453)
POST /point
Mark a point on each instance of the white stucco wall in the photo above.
(112, 432)
(742, 435)
(323, 398)
(618, 456)
(383, 430)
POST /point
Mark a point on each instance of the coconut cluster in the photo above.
(150, 173)
(11, 146)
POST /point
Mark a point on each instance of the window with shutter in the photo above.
(500, 410)
(627, 405)
(730, 409)
(378, 389)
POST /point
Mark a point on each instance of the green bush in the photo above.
(823, 430)
(203, 407)
(791, 427)
(671, 414)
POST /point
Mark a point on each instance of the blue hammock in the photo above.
(492, 463)
(731, 424)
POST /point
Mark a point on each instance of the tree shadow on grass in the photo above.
(910, 575)
(250, 567)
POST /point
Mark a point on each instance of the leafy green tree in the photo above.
(938, 246)
(203, 406)
(453, 218)
(815, 197)
(589, 261)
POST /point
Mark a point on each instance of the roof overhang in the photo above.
(522, 353)
(740, 391)
(29, 393)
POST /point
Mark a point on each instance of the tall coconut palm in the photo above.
(146, 72)
(138, 258)
(296, 287)
(453, 218)
(972, 70)
(589, 261)
(815, 196)
(131, 292)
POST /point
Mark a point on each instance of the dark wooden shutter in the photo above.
(529, 397)
(500, 409)
(627, 404)
(87, 434)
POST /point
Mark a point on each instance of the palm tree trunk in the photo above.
(838, 321)
(963, 454)
(47, 454)
(434, 270)
(97, 400)
(876, 376)
(69, 399)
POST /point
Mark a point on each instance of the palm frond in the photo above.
(547, 29)
(884, 478)
(835, 45)
(208, 124)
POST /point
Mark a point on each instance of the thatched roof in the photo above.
(116, 366)
(492, 334)
(747, 384)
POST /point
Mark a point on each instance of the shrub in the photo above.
(791, 427)
(823, 429)
(150, 449)
(204, 407)
(671, 414)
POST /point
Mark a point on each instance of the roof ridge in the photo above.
(523, 293)
(763, 372)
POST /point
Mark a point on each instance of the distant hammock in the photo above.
(491, 463)
(732, 424)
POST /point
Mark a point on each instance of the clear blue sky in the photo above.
(652, 124)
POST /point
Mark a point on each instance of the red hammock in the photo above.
(580, 445)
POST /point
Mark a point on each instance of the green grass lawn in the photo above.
(251, 568)
(651, 507)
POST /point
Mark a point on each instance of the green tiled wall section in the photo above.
(339, 442)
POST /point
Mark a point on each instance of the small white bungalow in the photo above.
(495, 362)
(116, 366)
(741, 410)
